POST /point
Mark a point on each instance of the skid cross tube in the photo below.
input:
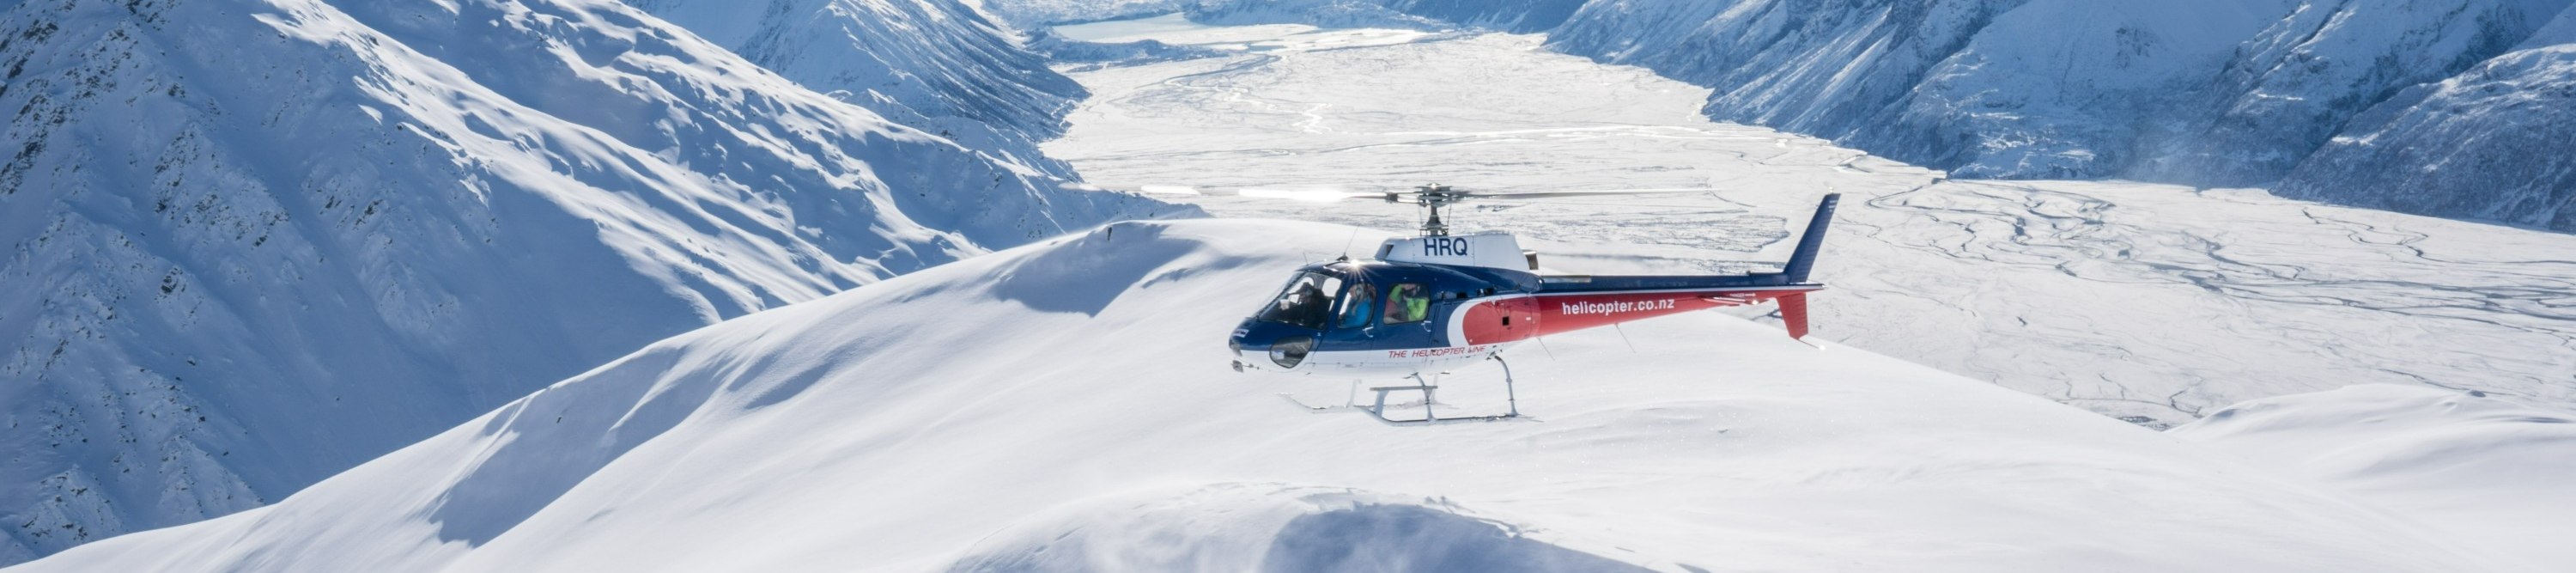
(1430, 396)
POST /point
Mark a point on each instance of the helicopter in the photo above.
(1437, 301)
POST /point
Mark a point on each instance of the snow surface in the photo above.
(253, 243)
(2151, 302)
(2492, 471)
(1066, 407)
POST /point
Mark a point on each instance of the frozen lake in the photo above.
(2151, 302)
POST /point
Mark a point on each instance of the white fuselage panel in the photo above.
(1489, 250)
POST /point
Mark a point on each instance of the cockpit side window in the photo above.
(1307, 301)
(1358, 305)
(1407, 302)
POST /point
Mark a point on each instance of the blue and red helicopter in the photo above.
(1430, 303)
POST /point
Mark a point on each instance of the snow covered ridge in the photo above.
(1503, 15)
(1062, 407)
(937, 65)
(2204, 92)
(2488, 144)
(1032, 14)
(2492, 472)
(254, 242)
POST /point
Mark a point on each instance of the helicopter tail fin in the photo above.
(1793, 311)
(1804, 259)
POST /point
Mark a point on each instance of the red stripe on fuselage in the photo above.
(1496, 321)
(1545, 313)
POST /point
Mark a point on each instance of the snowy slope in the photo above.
(1066, 407)
(1504, 15)
(252, 243)
(1039, 13)
(2488, 144)
(937, 65)
(2491, 471)
(2203, 91)
(2295, 84)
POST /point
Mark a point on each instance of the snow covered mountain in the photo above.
(1031, 14)
(2202, 92)
(2434, 107)
(1063, 407)
(1504, 15)
(937, 65)
(255, 242)
(2491, 143)
(2223, 92)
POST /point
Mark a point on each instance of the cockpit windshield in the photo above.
(1307, 302)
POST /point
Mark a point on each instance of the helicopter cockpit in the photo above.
(1307, 301)
(1351, 305)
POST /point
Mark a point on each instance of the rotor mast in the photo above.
(1431, 196)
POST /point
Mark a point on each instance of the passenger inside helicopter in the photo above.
(1406, 303)
(1363, 303)
(1306, 302)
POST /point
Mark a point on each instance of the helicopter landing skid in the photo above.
(1430, 397)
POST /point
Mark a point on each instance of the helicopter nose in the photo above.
(1285, 347)
(1291, 351)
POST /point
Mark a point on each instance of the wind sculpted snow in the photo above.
(2491, 471)
(930, 422)
(256, 242)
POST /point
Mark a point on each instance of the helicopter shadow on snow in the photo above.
(1401, 537)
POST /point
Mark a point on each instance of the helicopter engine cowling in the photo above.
(1488, 250)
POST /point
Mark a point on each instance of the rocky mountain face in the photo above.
(2311, 95)
(255, 242)
(1505, 15)
(2435, 107)
(2492, 143)
(937, 65)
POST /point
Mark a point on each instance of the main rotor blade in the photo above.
(1308, 195)
(1480, 195)
(1139, 189)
